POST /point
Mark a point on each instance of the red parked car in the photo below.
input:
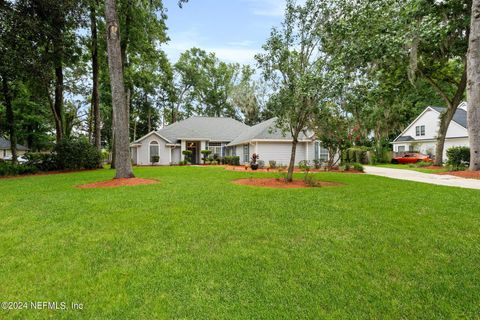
(412, 158)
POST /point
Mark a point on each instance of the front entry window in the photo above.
(246, 153)
(154, 151)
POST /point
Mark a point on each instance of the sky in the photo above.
(234, 30)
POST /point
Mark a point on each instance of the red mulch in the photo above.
(280, 183)
(114, 183)
(297, 170)
(463, 174)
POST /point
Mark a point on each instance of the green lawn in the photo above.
(196, 246)
(409, 167)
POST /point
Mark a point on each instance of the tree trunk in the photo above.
(291, 165)
(123, 164)
(447, 117)
(95, 70)
(58, 102)
(473, 87)
(10, 119)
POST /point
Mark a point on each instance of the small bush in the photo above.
(155, 159)
(188, 156)
(9, 169)
(317, 163)
(304, 165)
(358, 167)
(261, 164)
(422, 164)
(77, 154)
(42, 161)
(310, 180)
(272, 164)
(458, 156)
(355, 154)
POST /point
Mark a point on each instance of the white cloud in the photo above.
(244, 43)
(230, 52)
(271, 8)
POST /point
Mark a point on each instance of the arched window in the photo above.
(154, 152)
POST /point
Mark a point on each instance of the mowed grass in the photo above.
(196, 246)
(409, 167)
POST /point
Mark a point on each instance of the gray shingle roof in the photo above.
(459, 117)
(209, 128)
(264, 130)
(404, 138)
(5, 144)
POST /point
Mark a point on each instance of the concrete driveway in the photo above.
(410, 175)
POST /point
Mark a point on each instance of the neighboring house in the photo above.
(421, 134)
(5, 150)
(224, 137)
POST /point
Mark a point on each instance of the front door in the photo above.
(193, 146)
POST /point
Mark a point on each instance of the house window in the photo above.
(154, 150)
(321, 153)
(246, 153)
(401, 149)
(215, 148)
(419, 131)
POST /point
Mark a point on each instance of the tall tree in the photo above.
(123, 163)
(293, 63)
(473, 88)
(95, 76)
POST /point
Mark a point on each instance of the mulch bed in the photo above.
(281, 184)
(114, 183)
(45, 173)
(463, 174)
(296, 170)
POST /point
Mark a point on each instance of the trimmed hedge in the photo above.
(9, 169)
(355, 155)
(458, 156)
(77, 154)
(231, 160)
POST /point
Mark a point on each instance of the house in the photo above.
(420, 135)
(224, 137)
(5, 150)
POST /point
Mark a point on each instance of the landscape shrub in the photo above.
(232, 160)
(272, 164)
(42, 161)
(358, 166)
(310, 180)
(76, 154)
(261, 164)
(205, 154)
(422, 164)
(458, 158)
(304, 165)
(9, 169)
(188, 156)
(317, 163)
(155, 159)
(355, 154)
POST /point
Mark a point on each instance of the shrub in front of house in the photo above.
(272, 164)
(261, 164)
(317, 163)
(205, 154)
(358, 166)
(42, 161)
(188, 156)
(304, 165)
(76, 154)
(458, 158)
(155, 159)
(355, 154)
(9, 169)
